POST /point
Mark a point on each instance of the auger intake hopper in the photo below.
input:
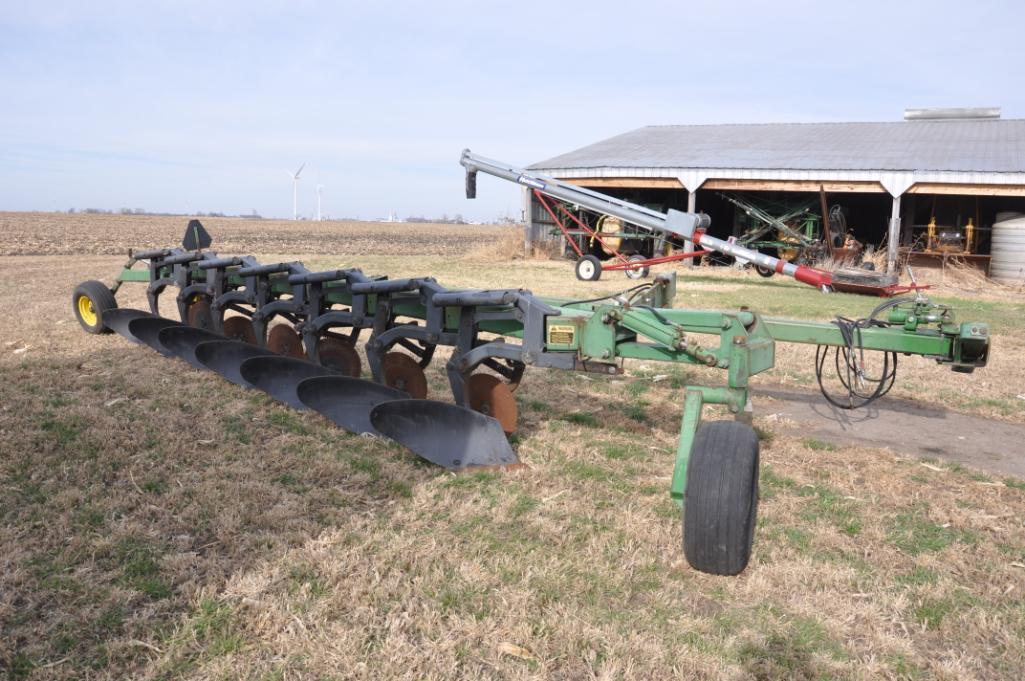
(346, 402)
(181, 342)
(280, 376)
(117, 321)
(147, 330)
(865, 282)
(444, 434)
(225, 357)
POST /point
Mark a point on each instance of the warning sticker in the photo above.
(560, 334)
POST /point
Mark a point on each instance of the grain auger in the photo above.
(675, 225)
(293, 333)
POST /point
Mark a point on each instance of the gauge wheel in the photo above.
(89, 301)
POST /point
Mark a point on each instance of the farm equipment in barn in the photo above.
(793, 233)
(673, 225)
(293, 333)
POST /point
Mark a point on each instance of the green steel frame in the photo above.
(598, 335)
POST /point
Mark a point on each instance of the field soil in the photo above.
(98, 234)
(157, 522)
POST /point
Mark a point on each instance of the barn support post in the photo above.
(893, 238)
(528, 221)
(692, 203)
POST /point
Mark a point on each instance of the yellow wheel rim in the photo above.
(86, 311)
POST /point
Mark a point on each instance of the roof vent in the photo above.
(952, 114)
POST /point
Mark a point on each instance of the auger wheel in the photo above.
(283, 340)
(492, 396)
(403, 372)
(339, 354)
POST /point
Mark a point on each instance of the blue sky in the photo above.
(201, 106)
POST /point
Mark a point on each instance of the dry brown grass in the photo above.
(160, 523)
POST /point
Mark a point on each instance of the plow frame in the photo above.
(508, 330)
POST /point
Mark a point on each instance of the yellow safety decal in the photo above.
(561, 334)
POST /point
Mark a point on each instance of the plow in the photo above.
(294, 333)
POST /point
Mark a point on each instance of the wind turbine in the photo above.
(295, 191)
(319, 187)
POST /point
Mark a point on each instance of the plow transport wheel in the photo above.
(117, 321)
(721, 498)
(283, 340)
(453, 437)
(492, 397)
(181, 341)
(225, 357)
(91, 301)
(147, 330)
(280, 377)
(345, 401)
(402, 372)
(241, 329)
(198, 315)
(339, 355)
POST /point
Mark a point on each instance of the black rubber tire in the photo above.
(721, 499)
(640, 272)
(764, 271)
(102, 300)
(591, 267)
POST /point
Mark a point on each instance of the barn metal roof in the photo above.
(968, 151)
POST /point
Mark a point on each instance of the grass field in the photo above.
(159, 523)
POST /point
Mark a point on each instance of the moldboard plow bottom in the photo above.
(301, 329)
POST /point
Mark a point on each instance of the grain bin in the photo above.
(1008, 251)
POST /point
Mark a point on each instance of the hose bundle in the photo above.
(849, 362)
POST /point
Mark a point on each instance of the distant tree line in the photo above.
(143, 211)
(456, 219)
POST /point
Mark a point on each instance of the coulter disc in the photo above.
(181, 341)
(147, 330)
(492, 397)
(403, 373)
(283, 340)
(240, 328)
(198, 315)
(335, 353)
(225, 357)
(117, 320)
(346, 401)
(445, 434)
(280, 377)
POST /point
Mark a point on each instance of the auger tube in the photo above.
(688, 226)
